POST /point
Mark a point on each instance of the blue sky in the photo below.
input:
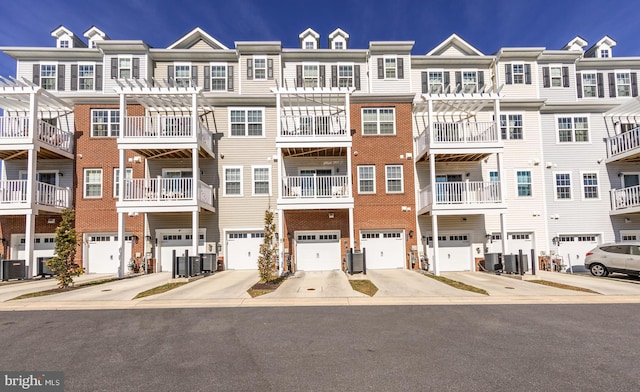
(486, 24)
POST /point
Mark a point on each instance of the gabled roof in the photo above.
(61, 30)
(577, 41)
(193, 37)
(94, 31)
(339, 33)
(606, 40)
(310, 32)
(454, 41)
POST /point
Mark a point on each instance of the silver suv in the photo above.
(621, 257)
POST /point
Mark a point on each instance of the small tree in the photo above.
(268, 249)
(62, 264)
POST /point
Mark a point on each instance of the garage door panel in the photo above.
(243, 249)
(43, 246)
(573, 248)
(319, 251)
(454, 252)
(181, 242)
(103, 254)
(384, 249)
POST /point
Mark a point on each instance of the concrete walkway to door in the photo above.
(314, 284)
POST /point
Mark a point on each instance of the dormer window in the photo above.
(63, 43)
(309, 45)
(93, 44)
(338, 45)
(604, 53)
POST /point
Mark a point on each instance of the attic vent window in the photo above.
(339, 45)
(309, 45)
(604, 53)
(64, 43)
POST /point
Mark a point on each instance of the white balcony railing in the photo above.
(310, 126)
(461, 193)
(623, 142)
(625, 198)
(315, 187)
(17, 127)
(165, 189)
(465, 132)
(15, 192)
(166, 128)
(14, 127)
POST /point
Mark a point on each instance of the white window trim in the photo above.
(226, 75)
(386, 179)
(615, 75)
(23, 175)
(246, 109)
(462, 84)
(253, 180)
(224, 180)
(573, 128)
(377, 109)
(55, 77)
(265, 67)
(515, 176)
(507, 114)
(582, 75)
(374, 180)
(116, 179)
(81, 63)
(84, 182)
(429, 84)
(513, 73)
(175, 72)
(559, 66)
(312, 64)
(120, 57)
(109, 123)
(395, 67)
(555, 186)
(353, 76)
(582, 173)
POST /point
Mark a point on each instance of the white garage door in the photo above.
(103, 255)
(243, 249)
(43, 247)
(180, 241)
(454, 252)
(384, 249)
(573, 247)
(516, 242)
(318, 251)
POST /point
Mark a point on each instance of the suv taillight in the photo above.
(589, 254)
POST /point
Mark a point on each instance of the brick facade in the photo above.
(15, 224)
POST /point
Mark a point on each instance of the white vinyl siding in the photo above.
(93, 183)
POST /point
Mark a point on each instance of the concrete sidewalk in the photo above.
(12, 289)
(221, 285)
(314, 284)
(406, 283)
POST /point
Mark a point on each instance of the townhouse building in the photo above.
(448, 155)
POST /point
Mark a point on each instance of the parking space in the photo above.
(14, 289)
(616, 285)
(221, 285)
(315, 284)
(120, 290)
(406, 283)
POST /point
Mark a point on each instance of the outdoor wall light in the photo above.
(147, 237)
(219, 247)
(556, 241)
(331, 215)
(411, 233)
(135, 238)
(424, 240)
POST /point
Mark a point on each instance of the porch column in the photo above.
(435, 245)
(195, 170)
(496, 109)
(430, 126)
(349, 173)
(280, 171)
(194, 117)
(121, 233)
(351, 229)
(195, 237)
(501, 178)
(29, 236)
(432, 180)
(503, 232)
(281, 236)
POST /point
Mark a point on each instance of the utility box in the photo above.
(356, 261)
(490, 261)
(196, 265)
(525, 263)
(510, 264)
(209, 262)
(43, 269)
(14, 269)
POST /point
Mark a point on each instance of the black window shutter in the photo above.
(356, 76)
(114, 68)
(565, 77)
(507, 72)
(170, 75)
(425, 85)
(36, 74)
(99, 77)
(230, 78)
(206, 74)
(136, 68)
(400, 64)
(527, 74)
(380, 68)
(322, 76)
(579, 84)
(546, 82)
(60, 77)
(612, 84)
(249, 69)
(447, 81)
(458, 80)
(194, 75)
(74, 77)
(634, 84)
(480, 81)
(600, 79)
(269, 69)
(298, 75)
(334, 76)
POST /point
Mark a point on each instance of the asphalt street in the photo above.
(370, 348)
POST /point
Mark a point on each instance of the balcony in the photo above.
(165, 194)
(315, 191)
(313, 129)
(624, 147)
(461, 197)
(165, 133)
(13, 195)
(625, 200)
(474, 139)
(15, 135)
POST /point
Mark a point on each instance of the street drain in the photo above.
(510, 288)
(310, 289)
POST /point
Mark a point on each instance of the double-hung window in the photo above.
(436, 82)
(182, 75)
(573, 129)
(390, 67)
(589, 85)
(590, 185)
(345, 75)
(86, 73)
(511, 126)
(563, 186)
(367, 179)
(469, 81)
(311, 75)
(378, 121)
(233, 181)
(260, 68)
(246, 122)
(524, 183)
(105, 122)
(555, 75)
(116, 179)
(623, 84)
(393, 178)
(124, 67)
(261, 180)
(518, 73)
(218, 77)
(48, 76)
(92, 183)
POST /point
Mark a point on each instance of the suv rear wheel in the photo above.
(598, 270)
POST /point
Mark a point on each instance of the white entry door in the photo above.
(454, 253)
(179, 240)
(384, 249)
(243, 249)
(318, 251)
(102, 255)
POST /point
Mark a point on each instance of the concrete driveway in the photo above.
(14, 289)
(221, 285)
(120, 290)
(314, 284)
(406, 283)
(604, 286)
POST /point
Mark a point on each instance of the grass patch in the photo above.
(262, 288)
(159, 289)
(563, 286)
(364, 286)
(95, 282)
(456, 284)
